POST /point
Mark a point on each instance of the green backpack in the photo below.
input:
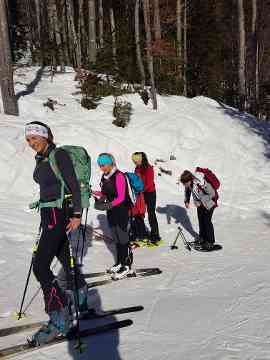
(82, 165)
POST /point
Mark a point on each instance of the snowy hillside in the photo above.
(204, 306)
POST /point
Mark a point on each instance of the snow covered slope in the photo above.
(203, 306)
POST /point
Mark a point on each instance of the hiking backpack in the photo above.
(82, 166)
(135, 183)
(210, 177)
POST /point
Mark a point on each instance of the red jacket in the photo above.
(147, 176)
(139, 206)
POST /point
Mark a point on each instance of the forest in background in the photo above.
(215, 48)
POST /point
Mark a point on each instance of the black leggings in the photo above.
(151, 200)
(206, 227)
(53, 243)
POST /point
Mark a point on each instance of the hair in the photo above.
(145, 161)
(110, 155)
(186, 177)
(50, 134)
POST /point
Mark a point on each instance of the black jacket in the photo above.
(118, 215)
(50, 186)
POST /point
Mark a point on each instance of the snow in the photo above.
(203, 306)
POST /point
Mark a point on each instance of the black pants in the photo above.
(150, 200)
(53, 243)
(138, 229)
(206, 227)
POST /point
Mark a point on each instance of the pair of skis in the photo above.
(72, 335)
(138, 273)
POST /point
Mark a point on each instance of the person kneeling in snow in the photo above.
(205, 199)
(114, 198)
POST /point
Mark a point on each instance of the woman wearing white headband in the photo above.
(55, 222)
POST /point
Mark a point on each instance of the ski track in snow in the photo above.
(203, 306)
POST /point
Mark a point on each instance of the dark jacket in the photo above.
(50, 186)
(118, 215)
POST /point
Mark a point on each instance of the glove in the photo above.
(102, 204)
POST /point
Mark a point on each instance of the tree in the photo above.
(255, 57)
(242, 55)
(101, 23)
(138, 42)
(113, 33)
(185, 49)
(150, 61)
(92, 52)
(9, 99)
(179, 36)
(157, 26)
(73, 37)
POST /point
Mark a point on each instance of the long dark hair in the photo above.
(145, 162)
(186, 177)
(50, 134)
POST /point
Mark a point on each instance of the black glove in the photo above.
(102, 204)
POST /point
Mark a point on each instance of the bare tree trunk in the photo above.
(37, 5)
(113, 32)
(179, 37)
(150, 62)
(242, 55)
(254, 58)
(73, 35)
(58, 39)
(39, 11)
(257, 78)
(64, 32)
(101, 24)
(185, 50)
(31, 28)
(51, 34)
(92, 50)
(137, 40)
(82, 28)
(157, 26)
(9, 99)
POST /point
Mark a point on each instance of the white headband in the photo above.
(36, 129)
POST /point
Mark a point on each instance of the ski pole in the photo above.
(84, 234)
(173, 246)
(21, 314)
(36, 294)
(187, 245)
(80, 345)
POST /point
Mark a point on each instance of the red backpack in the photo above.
(211, 178)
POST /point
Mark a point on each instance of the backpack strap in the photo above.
(59, 202)
(130, 190)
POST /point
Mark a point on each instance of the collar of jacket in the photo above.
(39, 157)
(108, 176)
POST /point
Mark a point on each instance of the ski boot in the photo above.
(121, 273)
(58, 325)
(113, 269)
